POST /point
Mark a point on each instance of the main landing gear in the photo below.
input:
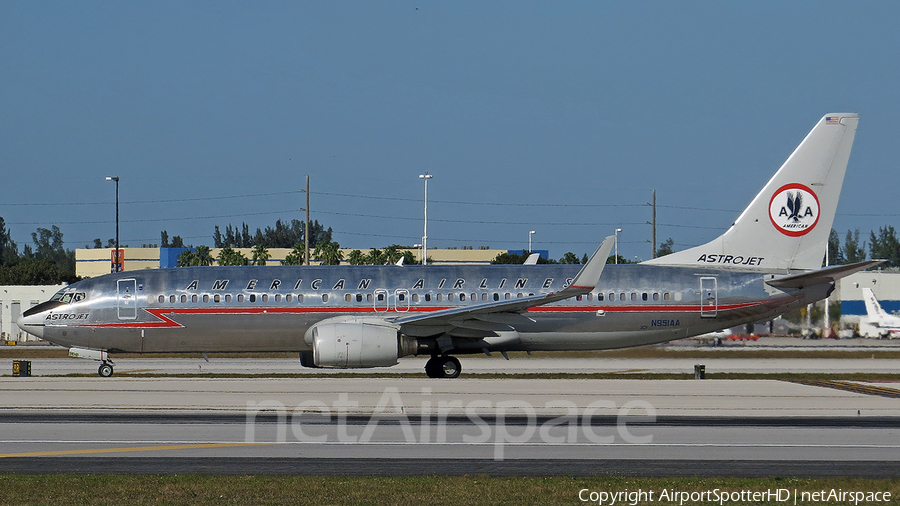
(442, 366)
(106, 369)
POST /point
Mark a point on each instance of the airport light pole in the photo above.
(116, 256)
(617, 244)
(531, 233)
(426, 176)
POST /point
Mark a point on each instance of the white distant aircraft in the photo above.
(886, 324)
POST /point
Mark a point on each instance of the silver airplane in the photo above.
(768, 262)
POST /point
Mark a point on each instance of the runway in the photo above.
(389, 426)
(474, 364)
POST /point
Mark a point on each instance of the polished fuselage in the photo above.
(230, 309)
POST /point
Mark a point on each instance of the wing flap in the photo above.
(585, 281)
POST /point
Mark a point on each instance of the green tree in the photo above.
(375, 257)
(187, 258)
(853, 251)
(392, 254)
(204, 257)
(665, 248)
(885, 246)
(9, 251)
(297, 256)
(260, 254)
(35, 272)
(356, 257)
(835, 254)
(228, 256)
(328, 253)
(569, 258)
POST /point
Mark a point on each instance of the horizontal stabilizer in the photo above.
(828, 275)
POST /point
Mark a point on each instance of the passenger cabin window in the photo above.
(348, 298)
(265, 297)
(227, 297)
(622, 296)
(300, 298)
(451, 296)
(496, 296)
(172, 299)
(644, 296)
(183, 299)
(240, 297)
(415, 297)
(277, 297)
(217, 298)
(324, 297)
(599, 296)
(206, 299)
(162, 298)
(440, 297)
(252, 297)
(288, 297)
(194, 299)
(427, 297)
(359, 297)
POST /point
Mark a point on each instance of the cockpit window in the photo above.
(68, 297)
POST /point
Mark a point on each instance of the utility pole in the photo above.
(306, 228)
(653, 225)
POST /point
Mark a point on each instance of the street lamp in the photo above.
(426, 176)
(529, 240)
(617, 244)
(116, 256)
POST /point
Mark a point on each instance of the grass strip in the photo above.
(139, 490)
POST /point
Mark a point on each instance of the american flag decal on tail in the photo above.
(832, 120)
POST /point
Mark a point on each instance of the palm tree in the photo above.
(260, 254)
(328, 253)
(204, 258)
(375, 257)
(296, 256)
(392, 254)
(187, 258)
(228, 256)
(356, 258)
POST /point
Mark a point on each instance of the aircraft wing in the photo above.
(507, 312)
(827, 275)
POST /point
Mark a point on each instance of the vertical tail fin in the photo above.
(873, 308)
(786, 226)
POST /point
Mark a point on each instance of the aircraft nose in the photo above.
(33, 324)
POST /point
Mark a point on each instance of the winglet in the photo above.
(589, 275)
(532, 259)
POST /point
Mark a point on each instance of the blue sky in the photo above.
(547, 116)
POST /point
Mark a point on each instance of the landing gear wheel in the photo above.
(106, 370)
(450, 367)
(442, 367)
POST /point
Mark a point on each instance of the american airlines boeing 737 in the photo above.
(768, 262)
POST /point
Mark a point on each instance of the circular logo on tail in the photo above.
(794, 209)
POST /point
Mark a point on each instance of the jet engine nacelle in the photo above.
(346, 345)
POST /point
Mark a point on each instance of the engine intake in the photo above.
(347, 345)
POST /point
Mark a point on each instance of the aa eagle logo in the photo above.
(794, 209)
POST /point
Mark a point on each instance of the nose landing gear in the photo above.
(442, 366)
